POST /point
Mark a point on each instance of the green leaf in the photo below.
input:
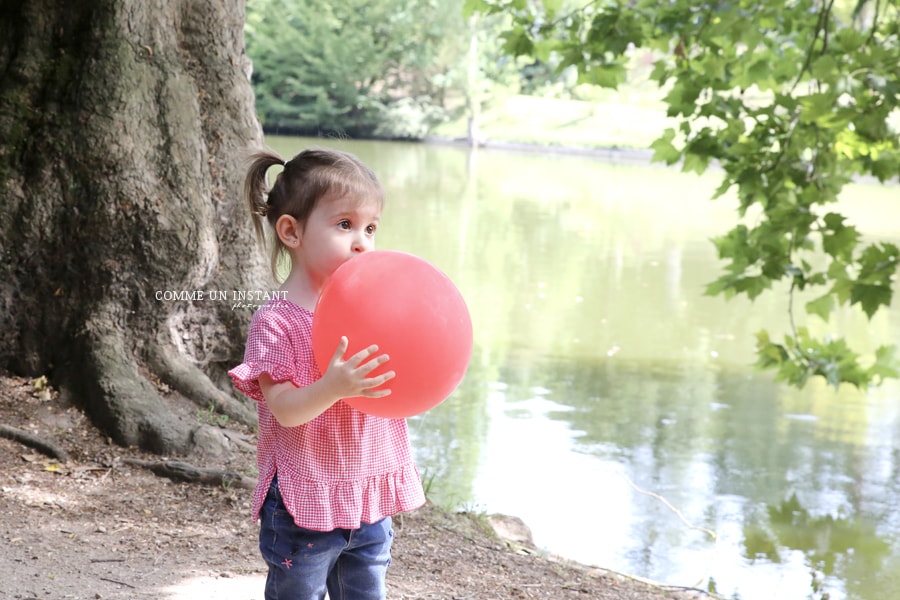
(848, 40)
(821, 307)
(878, 264)
(885, 364)
(552, 6)
(753, 286)
(870, 297)
(839, 240)
(517, 42)
(609, 75)
(663, 150)
(769, 355)
(723, 188)
(470, 7)
(695, 162)
(682, 98)
(825, 68)
(544, 49)
(661, 72)
(816, 106)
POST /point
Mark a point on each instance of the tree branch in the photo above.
(821, 24)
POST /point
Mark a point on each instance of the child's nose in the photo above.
(362, 243)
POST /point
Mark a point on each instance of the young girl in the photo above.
(330, 477)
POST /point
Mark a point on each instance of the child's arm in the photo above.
(292, 405)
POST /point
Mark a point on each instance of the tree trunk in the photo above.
(124, 124)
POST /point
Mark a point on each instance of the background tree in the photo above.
(387, 69)
(357, 67)
(124, 125)
(792, 100)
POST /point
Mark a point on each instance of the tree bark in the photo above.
(124, 125)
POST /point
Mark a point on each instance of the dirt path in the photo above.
(98, 528)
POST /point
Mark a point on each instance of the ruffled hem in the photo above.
(245, 378)
(324, 506)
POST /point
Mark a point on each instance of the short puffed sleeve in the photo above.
(279, 344)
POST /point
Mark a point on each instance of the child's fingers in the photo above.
(363, 355)
(375, 393)
(339, 351)
(375, 382)
(372, 364)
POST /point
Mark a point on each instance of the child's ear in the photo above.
(289, 231)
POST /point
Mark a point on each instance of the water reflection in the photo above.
(611, 405)
(824, 540)
(649, 459)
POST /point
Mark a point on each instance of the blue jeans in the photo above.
(350, 563)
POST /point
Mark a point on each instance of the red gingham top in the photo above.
(342, 468)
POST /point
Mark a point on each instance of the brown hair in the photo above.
(310, 176)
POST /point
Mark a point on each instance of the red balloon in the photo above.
(413, 312)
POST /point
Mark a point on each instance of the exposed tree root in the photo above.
(118, 396)
(185, 472)
(173, 469)
(193, 383)
(32, 441)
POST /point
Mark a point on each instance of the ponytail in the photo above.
(256, 188)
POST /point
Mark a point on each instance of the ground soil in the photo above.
(99, 527)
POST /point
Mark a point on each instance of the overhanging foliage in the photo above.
(792, 100)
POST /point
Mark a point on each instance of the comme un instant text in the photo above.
(221, 295)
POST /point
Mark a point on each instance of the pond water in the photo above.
(614, 407)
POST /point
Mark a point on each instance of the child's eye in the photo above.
(345, 224)
(371, 229)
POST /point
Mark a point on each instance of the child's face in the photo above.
(337, 230)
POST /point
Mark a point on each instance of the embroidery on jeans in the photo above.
(288, 563)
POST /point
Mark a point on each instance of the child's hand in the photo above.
(349, 378)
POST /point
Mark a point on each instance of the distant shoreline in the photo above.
(613, 155)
